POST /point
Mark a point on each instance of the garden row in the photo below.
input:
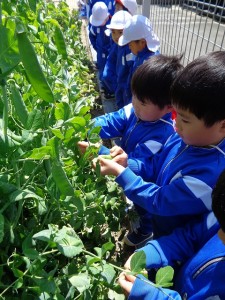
(59, 219)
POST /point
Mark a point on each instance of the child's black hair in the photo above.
(200, 88)
(218, 200)
(152, 80)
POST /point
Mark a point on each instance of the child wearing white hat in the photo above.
(119, 61)
(128, 5)
(142, 41)
(100, 41)
(109, 3)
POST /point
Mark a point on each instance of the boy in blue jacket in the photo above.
(143, 43)
(127, 5)
(200, 249)
(99, 40)
(145, 125)
(119, 61)
(175, 185)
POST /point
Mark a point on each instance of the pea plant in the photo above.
(57, 216)
(59, 219)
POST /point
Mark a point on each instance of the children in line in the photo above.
(200, 249)
(100, 41)
(145, 125)
(143, 43)
(119, 62)
(179, 180)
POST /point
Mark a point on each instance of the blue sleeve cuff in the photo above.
(103, 150)
(154, 257)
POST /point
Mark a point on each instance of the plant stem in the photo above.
(5, 110)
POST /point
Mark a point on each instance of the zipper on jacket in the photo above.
(206, 265)
(173, 160)
(135, 125)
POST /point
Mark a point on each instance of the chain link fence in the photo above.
(187, 27)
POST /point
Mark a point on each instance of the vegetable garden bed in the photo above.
(60, 221)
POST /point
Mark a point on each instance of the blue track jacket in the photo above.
(109, 3)
(201, 254)
(101, 43)
(179, 182)
(117, 68)
(140, 58)
(138, 138)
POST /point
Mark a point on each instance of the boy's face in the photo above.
(221, 235)
(137, 46)
(118, 7)
(116, 34)
(194, 132)
(148, 111)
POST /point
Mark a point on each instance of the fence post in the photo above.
(146, 8)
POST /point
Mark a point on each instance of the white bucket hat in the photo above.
(131, 5)
(99, 14)
(139, 27)
(119, 19)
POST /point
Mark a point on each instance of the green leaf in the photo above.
(23, 194)
(108, 273)
(62, 111)
(40, 153)
(77, 121)
(35, 120)
(9, 52)
(164, 277)
(81, 282)
(44, 235)
(68, 242)
(138, 262)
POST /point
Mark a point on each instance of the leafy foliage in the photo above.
(55, 211)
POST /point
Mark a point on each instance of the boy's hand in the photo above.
(126, 282)
(83, 146)
(119, 155)
(108, 166)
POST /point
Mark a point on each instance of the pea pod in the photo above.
(106, 156)
(60, 42)
(32, 66)
(61, 179)
(19, 104)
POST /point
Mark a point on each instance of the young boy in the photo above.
(145, 125)
(181, 178)
(119, 61)
(143, 43)
(127, 5)
(109, 3)
(99, 40)
(200, 248)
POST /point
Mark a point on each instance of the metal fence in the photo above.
(191, 28)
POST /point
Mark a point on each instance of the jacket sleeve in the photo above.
(112, 124)
(185, 195)
(92, 38)
(182, 244)
(144, 290)
(147, 149)
(109, 74)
